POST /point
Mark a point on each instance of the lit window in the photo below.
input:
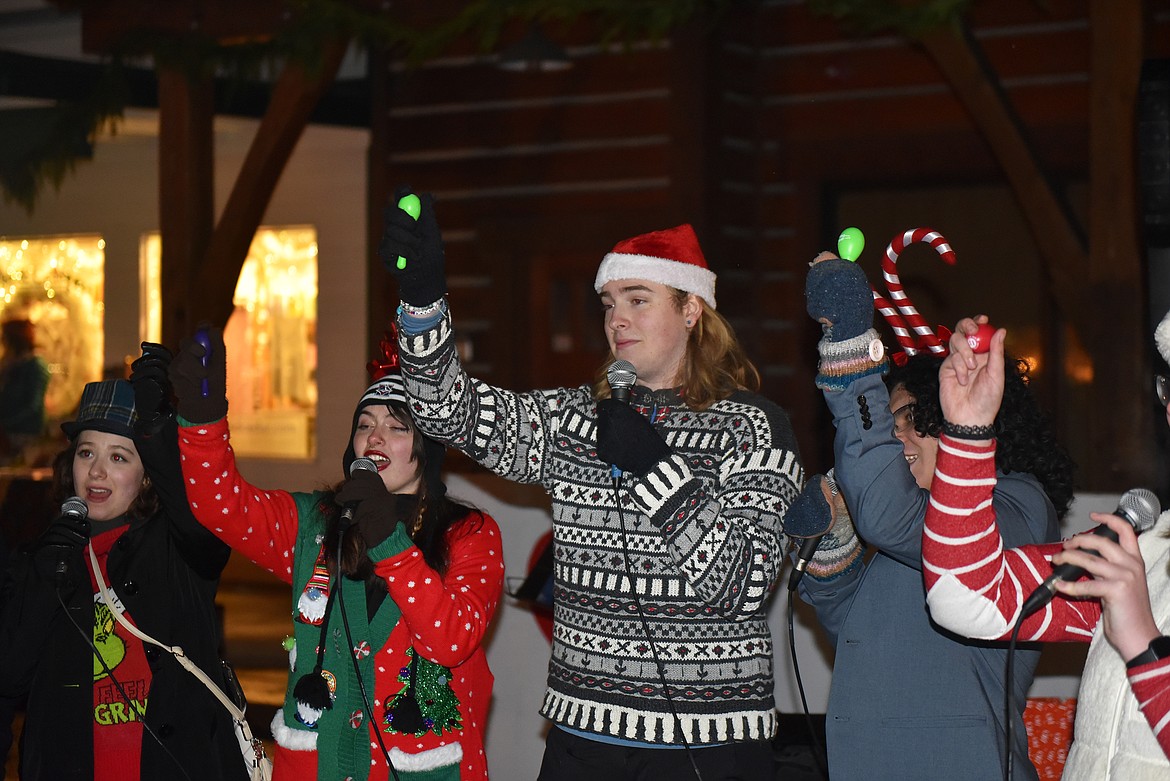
(57, 284)
(271, 341)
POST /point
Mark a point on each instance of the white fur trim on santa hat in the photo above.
(1162, 338)
(684, 276)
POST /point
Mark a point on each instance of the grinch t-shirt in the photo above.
(117, 725)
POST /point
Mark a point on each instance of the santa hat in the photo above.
(669, 257)
(1162, 338)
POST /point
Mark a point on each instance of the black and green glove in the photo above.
(423, 278)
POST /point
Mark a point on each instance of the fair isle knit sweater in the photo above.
(694, 546)
(976, 588)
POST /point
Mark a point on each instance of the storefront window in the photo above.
(56, 283)
(271, 341)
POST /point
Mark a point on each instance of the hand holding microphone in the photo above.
(1138, 507)
(58, 551)
(367, 503)
(819, 523)
(625, 439)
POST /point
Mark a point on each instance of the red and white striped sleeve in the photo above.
(974, 587)
(261, 525)
(1151, 686)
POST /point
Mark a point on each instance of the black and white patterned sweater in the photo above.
(703, 530)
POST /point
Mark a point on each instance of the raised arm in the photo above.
(260, 524)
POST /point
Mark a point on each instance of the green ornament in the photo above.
(410, 204)
(850, 243)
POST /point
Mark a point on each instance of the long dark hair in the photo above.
(1024, 438)
(145, 505)
(439, 512)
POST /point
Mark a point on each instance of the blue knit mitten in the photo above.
(811, 515)
(839, 298)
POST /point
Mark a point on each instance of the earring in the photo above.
(688, 323)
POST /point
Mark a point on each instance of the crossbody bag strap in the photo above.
(176, 651)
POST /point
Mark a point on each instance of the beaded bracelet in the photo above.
(968, 432)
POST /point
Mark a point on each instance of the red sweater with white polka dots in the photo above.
(443, 617)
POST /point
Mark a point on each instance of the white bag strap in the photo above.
(261, 765)
(180, 656)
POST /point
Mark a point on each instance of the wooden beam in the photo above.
(185, 188)
(1123, 440)
(296, 93)
(1063, 250)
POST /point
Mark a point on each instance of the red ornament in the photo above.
(980, 341)
(387, 362)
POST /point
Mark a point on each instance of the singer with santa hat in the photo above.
(666, 509)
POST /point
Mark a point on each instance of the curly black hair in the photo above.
(1024, 438)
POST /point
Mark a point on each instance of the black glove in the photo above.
(627, 440)
(424, 279)
(838, 291)
(57, 553)
(152, 388)
(376, 513)
(191, 378)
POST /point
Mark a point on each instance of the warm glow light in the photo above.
(270, 338)
(58, 283)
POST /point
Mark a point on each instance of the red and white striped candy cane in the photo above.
(901, 331)
(926, 338)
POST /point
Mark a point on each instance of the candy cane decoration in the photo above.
(901, 330)
(926, 338)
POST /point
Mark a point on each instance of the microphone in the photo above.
(72, 529)
(808, 549)
(621, 376)
(1138, 506)
(809, 518)
(358, 465)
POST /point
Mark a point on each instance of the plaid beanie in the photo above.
(669, 257)
(105, 406)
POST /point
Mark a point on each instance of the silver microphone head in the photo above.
(362, 464)
(75, 506)
(621, 376)
(1140, 507)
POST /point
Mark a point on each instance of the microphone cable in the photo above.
(369, 710)
(617, 484)
(1009, 700)
(817, 750)
(141, 715)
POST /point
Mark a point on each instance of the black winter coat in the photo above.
(166, 570)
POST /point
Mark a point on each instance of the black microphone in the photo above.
(1138, 506)
(72, 531)
(808, 549)
(359, 465)
(804, 517)
(621, 376)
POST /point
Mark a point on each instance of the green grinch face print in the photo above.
(109, 645)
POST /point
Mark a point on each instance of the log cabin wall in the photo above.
(750, 129)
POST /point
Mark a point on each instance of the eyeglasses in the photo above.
(903, 417)
(1162, 388)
